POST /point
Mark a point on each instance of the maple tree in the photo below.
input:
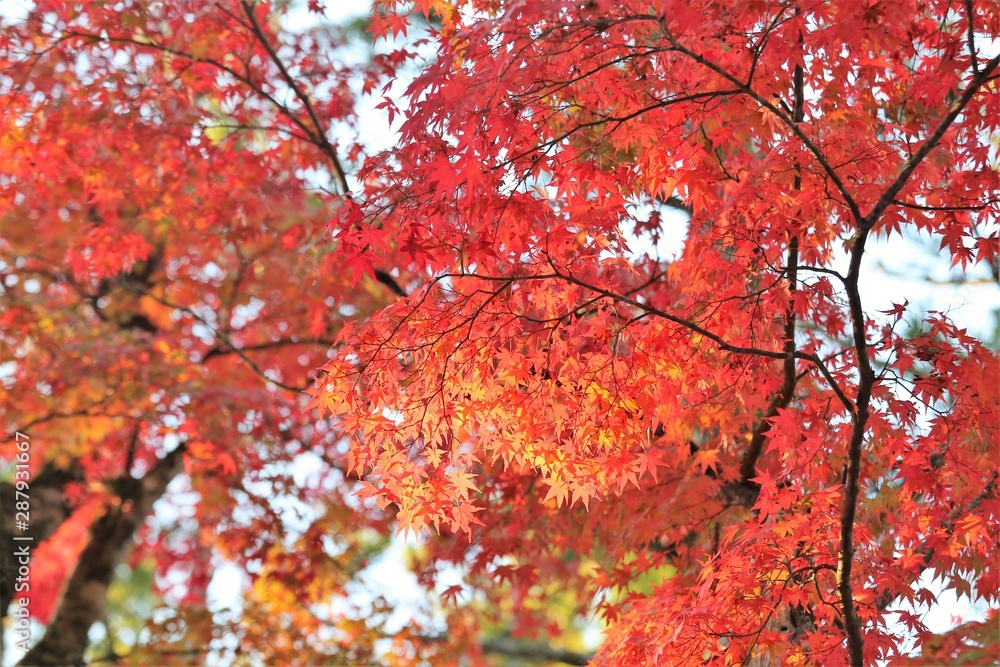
(731, 454)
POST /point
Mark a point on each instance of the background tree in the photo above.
(170, 285)
(732, 453)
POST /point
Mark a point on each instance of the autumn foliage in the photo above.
(727, 456)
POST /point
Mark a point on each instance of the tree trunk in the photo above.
(48, 511)
(66, 637)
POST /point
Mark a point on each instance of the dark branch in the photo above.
(221, 335)
(970, 14)
(867, 377)
(386, 279)
(534, 651)
(920, 207)
(810, 145)
(715, 338)
(748, 466)
(318, 133)
(889, 196)
(269, 345)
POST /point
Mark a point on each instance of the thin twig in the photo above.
(215, 332)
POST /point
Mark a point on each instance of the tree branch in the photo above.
(780, 114)
(889, 195)
(319, 134)
(920, 207)
(268, 345)
(533, 651)
(510, 647)
(989, 491)
(748, 466)
(387, 279)
(718, 340)
(867, 378)
(215, 332)
(970, 14)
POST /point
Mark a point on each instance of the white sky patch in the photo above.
(948, 612)
(14, 10)
(669, 245)
(915, 269)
